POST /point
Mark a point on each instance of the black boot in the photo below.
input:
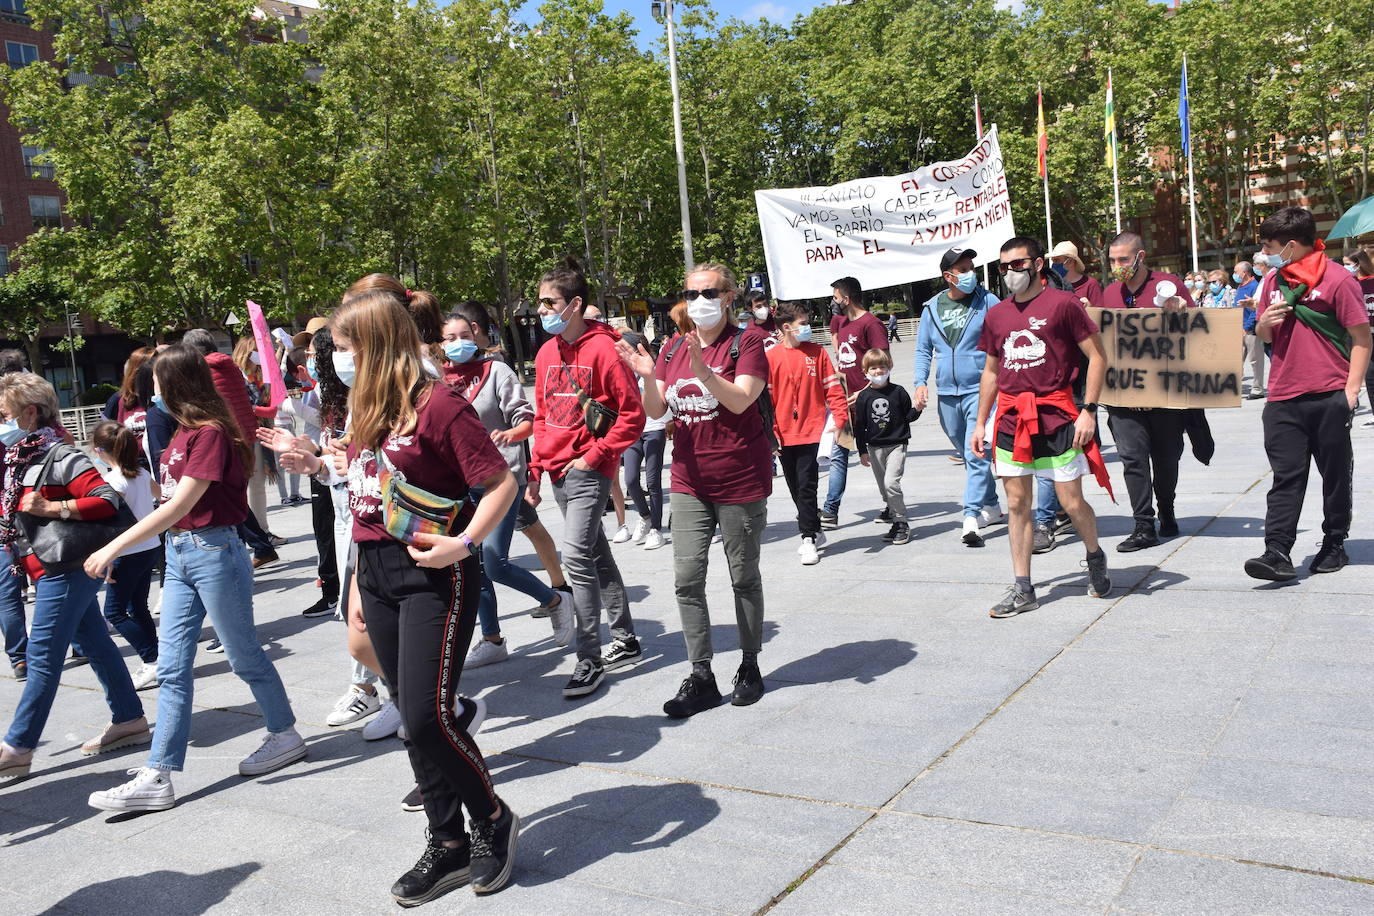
(1143, 536)
(1168, 524)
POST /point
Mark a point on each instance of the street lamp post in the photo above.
(663, 12)
(73, 328)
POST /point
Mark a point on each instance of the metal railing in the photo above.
(81, 422)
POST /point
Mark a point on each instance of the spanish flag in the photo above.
(1109, 128)
(1042, 136)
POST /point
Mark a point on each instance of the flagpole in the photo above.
(1116, 181)
(1043, 142)
(978, 128)
(1192, 193)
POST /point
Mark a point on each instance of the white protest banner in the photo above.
(888, 230)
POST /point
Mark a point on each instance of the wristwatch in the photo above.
(1091, 408)
(65, 511)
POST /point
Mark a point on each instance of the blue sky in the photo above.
(781, 11)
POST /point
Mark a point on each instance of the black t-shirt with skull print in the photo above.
(882, 416)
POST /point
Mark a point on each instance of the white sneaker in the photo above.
(352, 706)
(622, 535)
(991, 515)
(809, 555)
(145, 676)
(277, 750)
(971, 537)
(486, 652)
(654, 540)
(149, 790)
(563, 619)
(384, 724)
(641, 530)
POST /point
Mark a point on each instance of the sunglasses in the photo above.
(709, 293)
(548, 303)
(1018, 264)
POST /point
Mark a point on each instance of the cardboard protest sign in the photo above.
(888, 230)
(1159, 358)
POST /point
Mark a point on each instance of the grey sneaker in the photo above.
(1014, 602)
(1099, 580)
(1042, 541)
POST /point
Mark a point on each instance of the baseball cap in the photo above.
(1067, 250)
(955, 255)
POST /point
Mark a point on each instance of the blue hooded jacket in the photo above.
(958, 363)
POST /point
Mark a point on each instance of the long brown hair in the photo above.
(128, 389)
(422, 306)
(390, 379)
(120, 443)
(190, 397)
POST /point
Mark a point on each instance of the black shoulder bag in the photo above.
(63, 544)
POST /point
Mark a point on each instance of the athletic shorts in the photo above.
(1053, 457)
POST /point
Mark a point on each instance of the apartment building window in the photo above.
(20, 54)
(12, 6)
(4, 260)
(124, 67)
(46, 211)
(43, 170)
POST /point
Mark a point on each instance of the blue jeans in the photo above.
(838, 476)
(126, 602)
(12, 611)
(208, 573)
(1046, 501)
(497, 567)
(64, 607)
(958, 417)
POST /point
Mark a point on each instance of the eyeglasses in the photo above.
(1018, 264)
(548, 303)
(708, 293)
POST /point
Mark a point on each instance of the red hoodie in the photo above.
(230, 384)
(560, 435)
(803, 381)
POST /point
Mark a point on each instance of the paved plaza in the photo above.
(1198, 743)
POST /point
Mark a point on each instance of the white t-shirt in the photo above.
(138, 494)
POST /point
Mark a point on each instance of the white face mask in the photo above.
(1018, 281)
(760, 314)
(879, 379)
(705, 313)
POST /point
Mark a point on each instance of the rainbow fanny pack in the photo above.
(408, 510)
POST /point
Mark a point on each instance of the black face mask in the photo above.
(836, 308)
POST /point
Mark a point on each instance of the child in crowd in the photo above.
(882, 427)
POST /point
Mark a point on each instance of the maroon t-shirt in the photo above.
(448, 452)
(1367, 290)
(1302, 361)
(852, 339)
(718, 456)
(1037, 345)
(206, 453)
(1087, 287)
(1117, 296)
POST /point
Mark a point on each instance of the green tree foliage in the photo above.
(466, 145)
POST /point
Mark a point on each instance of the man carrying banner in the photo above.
(950, 328)
(1033, 340)
(1313, 313)
(1149, 439)
(854, 330)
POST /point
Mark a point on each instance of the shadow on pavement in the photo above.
(864, 661)
(569, 836)
(136, 893)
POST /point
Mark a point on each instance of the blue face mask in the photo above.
(11, 432)
(1236, 279)
(967, 282)
(310, 369)
(1060, 269)
(159, 403)
(803, 333)
(460, 351)
(553, 324)
(1215, 288)
(344, 368)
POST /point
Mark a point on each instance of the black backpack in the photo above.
(764, 402)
